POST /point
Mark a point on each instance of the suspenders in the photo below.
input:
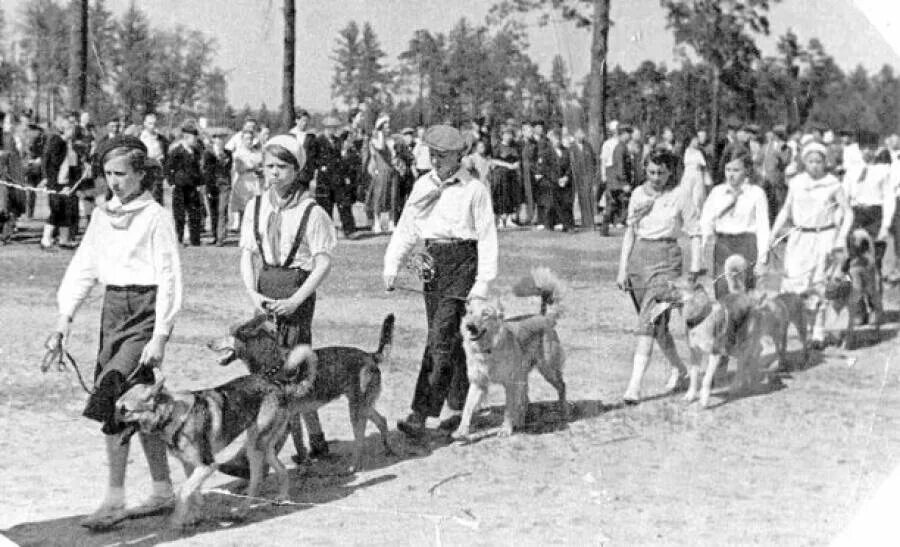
(301, 231)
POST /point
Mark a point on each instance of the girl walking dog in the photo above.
(130, 247)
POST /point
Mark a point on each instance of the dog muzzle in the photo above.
(225, 348)
(474, 333)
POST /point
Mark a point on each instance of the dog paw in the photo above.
(461, 434)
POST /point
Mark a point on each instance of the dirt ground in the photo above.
(783, 467)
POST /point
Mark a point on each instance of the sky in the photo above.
(249, 35)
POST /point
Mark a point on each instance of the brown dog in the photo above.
(776, 314)
(198, 426)
(339, 370)
(504, 351)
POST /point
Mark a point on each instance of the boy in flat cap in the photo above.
(183, 171)
(332, 186)
(452, 213)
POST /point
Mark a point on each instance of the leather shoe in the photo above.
(413, 426)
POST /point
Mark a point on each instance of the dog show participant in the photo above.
(736, 216)
(814, 205)
(451, 211)
(873, 200)
(131, 248)
(293, 238)
(651, 259)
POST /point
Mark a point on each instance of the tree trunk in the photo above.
(78, 44)
(596, 90)
(714, 119)
(287, 84)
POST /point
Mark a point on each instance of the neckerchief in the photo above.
(120, 216)
(428, 200)
(730, 207)
(273, 223)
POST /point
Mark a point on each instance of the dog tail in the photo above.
(546, 284)
(736, 274)
(383, 353)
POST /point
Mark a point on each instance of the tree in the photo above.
(103, 33)
(719, 33)
(360, 74)
(78, 51)
(424, 58)
(133, 73)
(584, 13)
(46, 46)
(182, 60)
(287, 81)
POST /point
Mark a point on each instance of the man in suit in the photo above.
(619, 182)
(776, 156)
(309, 140)
(183, 171)
(561, 216)
(157, 147)
(546, 175)
(584, 177)
(332, 180)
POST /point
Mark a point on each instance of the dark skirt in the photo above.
(126, 325)
(653, 264)
(63, 210)
(733, 244)
(280, 283)
(504, 191)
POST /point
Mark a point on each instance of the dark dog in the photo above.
(197, 426)
(339, 370)
(853, 283)
(776, 314)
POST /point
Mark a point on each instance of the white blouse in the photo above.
(462, 211)
(131, 244)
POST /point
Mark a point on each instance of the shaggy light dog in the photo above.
(504, 351)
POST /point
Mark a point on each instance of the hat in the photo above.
(292, 145)
(780, 130)
(813, 148)
(299, 113)
(190, 129)
(331, 121)
(625, 128)
(443, 138)
(381, 120)
(752, 128)
(733, 123)
(122, 141)
(408, 131)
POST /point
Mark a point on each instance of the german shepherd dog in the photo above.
(198, 426)
(853, 283)
(504, 351)
(338, 370)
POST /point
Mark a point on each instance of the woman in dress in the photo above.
(696, 172)
(382, 176)
(651, 259)
(293, 239)
(246, 165)
(505, 188)
(736, 216)
(819, 211)
(131, 248)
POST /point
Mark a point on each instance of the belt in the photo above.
(448, 241)
(742, 234)
(816, 230)
(131, 288)
(659, 239)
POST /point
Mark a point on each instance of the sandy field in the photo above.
(787, 466)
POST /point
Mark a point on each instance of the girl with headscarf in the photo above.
(817, 207)
(293, 239)
(130, 247)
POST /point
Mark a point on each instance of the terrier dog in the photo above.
(504, 351)
(339, 370)
(198, 426)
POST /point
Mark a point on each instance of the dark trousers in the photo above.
(443, 374)
(329, 194)
(776, 193)
(733, 244)
(616, 210)
(186, 204)
(61, 210)
(561, 212)
(528, 194)
(544, 203)
(218, 210)
(401, 192)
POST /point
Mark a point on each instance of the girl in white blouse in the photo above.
(873, 199)
(651, 259)
(131, 248)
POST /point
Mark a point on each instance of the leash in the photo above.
(426, 293)
(58, 355)
(69, 190)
